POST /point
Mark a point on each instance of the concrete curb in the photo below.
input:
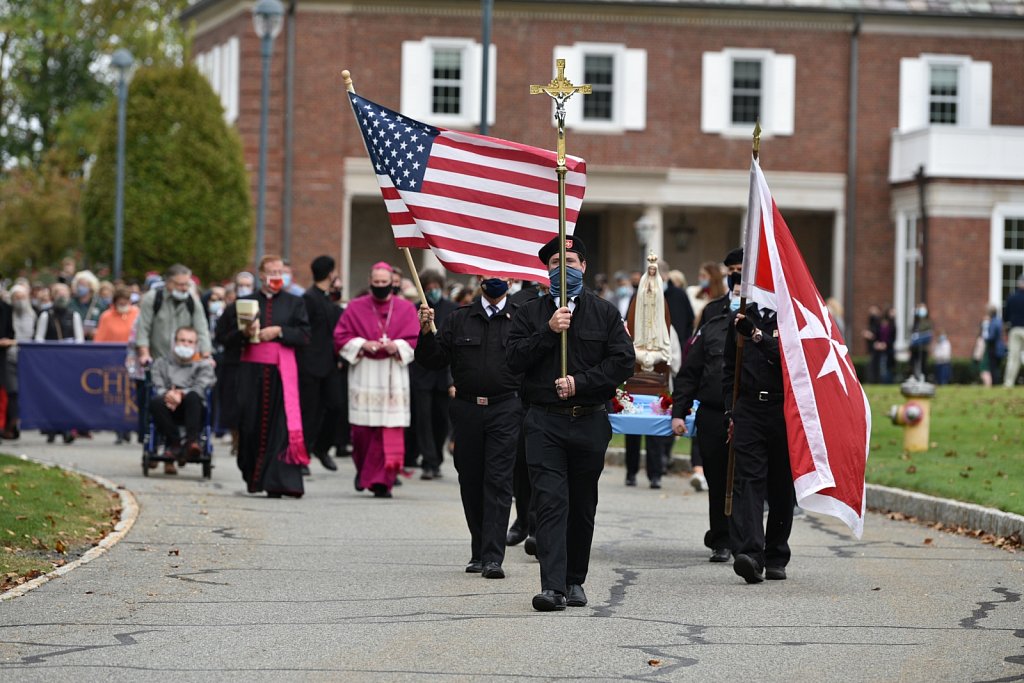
(925, 508)
(129, 513)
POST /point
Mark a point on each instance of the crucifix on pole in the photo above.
(560, 89)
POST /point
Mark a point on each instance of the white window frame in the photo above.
(905, 296)
(998, 255)
(220, 66)
(778, 92)
(418, 81)
(629, 83)
(974, 91)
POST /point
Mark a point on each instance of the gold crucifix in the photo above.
(560, 89)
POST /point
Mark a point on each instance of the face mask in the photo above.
(733, 280)
(184, 352)
(396, 290)
(179, 295)
(134, 297)
(243, 291)
(105, 301)
(624, 292)
(922, 312)
(703, 283)
(216, 307)
(287, 279)
(433, 295)
(496, 288)
(274, 284)
(61, 302)
(82, 290)
(335, 294)
(22, 305)
(123, 309)
(382, 292)
(573, 281)
(734, 304)
(515, 287)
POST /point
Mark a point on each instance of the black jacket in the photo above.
(680, 311)
(700, 377)
(286, 310)
(317, 358)
(422, 378)
(600, 353)
(474, 346)
(762, 365)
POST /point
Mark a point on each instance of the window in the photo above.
(909, 285)
(740, 86)
(220, 67)
(1007, 249)
(618, 77)
(944, 90)
(441, 81)
(942, 101)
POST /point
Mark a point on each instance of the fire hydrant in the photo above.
(914, 414)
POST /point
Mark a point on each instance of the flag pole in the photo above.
(346, 76)
(730, 470)
(560, 89)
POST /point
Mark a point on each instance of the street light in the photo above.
(122, 61)
(267, 18)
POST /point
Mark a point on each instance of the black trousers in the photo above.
(711, 435)
(317, 397)
(566, 457)
(762, 473)
(658, 450)
(430, 420)
(485, 454)
(189, 412)
(526, 516)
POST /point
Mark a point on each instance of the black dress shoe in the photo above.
(305, 471)
(747, 567)
(576, 596)
(358, 485)
(428, 474)
(380, 491)
(516, 534)
(720, 555)
(655, 483)
(530, 546)
(326, 461)
(474, 567)
(775, 573)
(493, 570)
(630, 481)
(548, 601)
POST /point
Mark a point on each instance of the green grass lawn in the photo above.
(976, 439)
(47, 517)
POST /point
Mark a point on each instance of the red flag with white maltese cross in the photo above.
(828, 419)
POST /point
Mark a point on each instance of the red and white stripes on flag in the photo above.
(481, 204)
(828, 418)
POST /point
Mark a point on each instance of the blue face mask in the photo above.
(734, 304)
(573, 281)
(494, 288)
(624, 292)
(433, 295)
(287, 279)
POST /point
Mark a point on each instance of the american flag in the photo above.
(483, 205)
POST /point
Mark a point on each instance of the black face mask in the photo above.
(382, 292)
(396, 290)
(334, 294)
(734, 279)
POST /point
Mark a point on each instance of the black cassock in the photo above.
(262, 426)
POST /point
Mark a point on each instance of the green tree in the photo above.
(39, 217)
(186, 189)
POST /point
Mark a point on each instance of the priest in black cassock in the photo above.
(271, 448)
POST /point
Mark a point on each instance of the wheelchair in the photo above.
(153, 444)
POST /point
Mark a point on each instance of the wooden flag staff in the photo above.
(560, 89)
(730, 470)
(346, 75)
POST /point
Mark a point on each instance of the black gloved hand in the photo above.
(744, 326)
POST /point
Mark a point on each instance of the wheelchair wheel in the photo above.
(145, 463)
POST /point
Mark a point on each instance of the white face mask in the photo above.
(243, 291)
(216, 307)
(179, 295)
(184, 352)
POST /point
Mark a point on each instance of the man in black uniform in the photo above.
(566, 425)
(486, 414)
(758, 428)
(700, 378)
(319, 380)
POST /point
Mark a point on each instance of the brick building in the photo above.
(894, 131)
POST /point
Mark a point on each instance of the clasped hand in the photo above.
(374, 346)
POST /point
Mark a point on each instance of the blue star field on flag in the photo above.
(398, 146)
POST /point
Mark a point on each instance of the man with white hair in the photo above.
(163, 311)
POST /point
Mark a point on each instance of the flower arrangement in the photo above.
(623, 401)
(662, 405)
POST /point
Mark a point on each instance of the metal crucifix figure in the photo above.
(560, 89)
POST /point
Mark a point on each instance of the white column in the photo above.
(838, 256)
(656, 242)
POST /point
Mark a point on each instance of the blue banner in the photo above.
(75, 386)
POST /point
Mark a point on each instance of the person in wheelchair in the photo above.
(180, 382)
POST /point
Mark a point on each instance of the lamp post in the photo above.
(267, 18)
(122, 60)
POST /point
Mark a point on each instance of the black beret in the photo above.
(734, 257)
(322, 267)
(572, 243)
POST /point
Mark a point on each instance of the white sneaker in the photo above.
(698, 482)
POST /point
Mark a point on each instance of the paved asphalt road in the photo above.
(214, 584)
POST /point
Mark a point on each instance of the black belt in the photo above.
(763, 396)
(573, 411)
(488, 400)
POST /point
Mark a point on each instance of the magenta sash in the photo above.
(273, 353)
